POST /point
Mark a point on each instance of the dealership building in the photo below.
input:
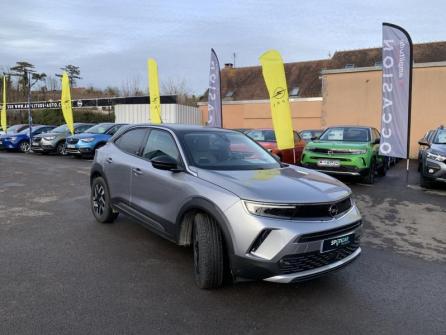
(345, 89)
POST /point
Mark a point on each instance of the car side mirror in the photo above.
(165, 162)
(423, 142)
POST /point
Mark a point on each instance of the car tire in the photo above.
(382, 171)
(208, 252)
(24, 146)
(60, 149)
(100, 202)
(424, 182)
(370, 177)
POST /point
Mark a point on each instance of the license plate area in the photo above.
(337, 242)
(329, 163)
(71, 146)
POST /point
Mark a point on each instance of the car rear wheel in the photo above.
(24, 146)
(60, 149)
(382, 171)
(208, 252)
(100, 202)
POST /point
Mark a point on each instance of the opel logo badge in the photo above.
(333, 210)
(279, 92)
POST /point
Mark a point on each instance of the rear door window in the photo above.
(131, 141)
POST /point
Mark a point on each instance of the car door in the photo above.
(158, 194)
(119, 157)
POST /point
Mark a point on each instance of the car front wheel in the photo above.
(100, 202)
(24, 146)
(370, 178)
(208, 252)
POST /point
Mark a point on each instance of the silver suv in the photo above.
(246, 215)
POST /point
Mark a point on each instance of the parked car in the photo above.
(55, 140)
(267, 139)
(309, 135)
(346, 150)
(242, 130)
(243, 212)
(88, 142)
(433, 158)
(20, 141)
(15, 129)
(427, 138)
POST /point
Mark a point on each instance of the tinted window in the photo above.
(225, 151)
(262, 135)
(101, 128)
(82, 128)
(114, 129)
(440, 137)
(160, 143)
(131, 141)
(348, 134)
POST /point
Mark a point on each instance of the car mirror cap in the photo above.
(165, 162)
(422, 142)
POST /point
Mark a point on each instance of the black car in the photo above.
(432, 164)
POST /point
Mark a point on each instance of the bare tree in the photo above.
(131, 87)
(180, 89)
(52, 83)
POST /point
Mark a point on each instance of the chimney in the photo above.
(229, 65)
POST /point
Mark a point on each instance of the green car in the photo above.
(346, 150)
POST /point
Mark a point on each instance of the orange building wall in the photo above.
(306, 114)
(355, 98)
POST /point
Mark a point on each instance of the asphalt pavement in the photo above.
(63, 273)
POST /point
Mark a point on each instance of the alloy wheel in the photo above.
(24, 146)
(99, 199)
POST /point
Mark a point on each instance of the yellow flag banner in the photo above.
(274, 75)
(3, 116)
(154, 92)
(66, 102)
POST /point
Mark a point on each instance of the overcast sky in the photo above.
(111, 40)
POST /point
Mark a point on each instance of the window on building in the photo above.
(378, 63)
(294, 91)
(349, 66)
(229, 94)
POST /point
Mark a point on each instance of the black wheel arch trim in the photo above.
(203, 204)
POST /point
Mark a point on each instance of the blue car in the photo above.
(20, 141)
(86, 143)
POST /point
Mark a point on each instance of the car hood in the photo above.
(282, 185)
(87, 135)
(440, 148)
(57, 135)
(337, 145)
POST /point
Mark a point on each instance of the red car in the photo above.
(267, 139)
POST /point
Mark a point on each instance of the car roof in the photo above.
(183, 128)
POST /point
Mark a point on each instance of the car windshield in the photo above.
(440, 138)
(346, 134)
(226, 151)
(61, 129)
(14, 129)
(99, 128)
(262, 135)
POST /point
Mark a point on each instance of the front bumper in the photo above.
(45, 145)
(435, 170)
(9, 145)
(353, 165)
(79, 149)
(292, 251)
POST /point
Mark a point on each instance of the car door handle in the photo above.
(137, 171)
(109, 160)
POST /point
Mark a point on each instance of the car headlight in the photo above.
(436, 156)
(270, 210)
(88, 139)
(49, 138)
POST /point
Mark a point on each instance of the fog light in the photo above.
(431, 170)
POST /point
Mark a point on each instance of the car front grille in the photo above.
(313, 260)
(325, 234)
(72, 140)
(328, 210)
(331, 151)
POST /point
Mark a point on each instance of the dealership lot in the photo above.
(60, 271)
